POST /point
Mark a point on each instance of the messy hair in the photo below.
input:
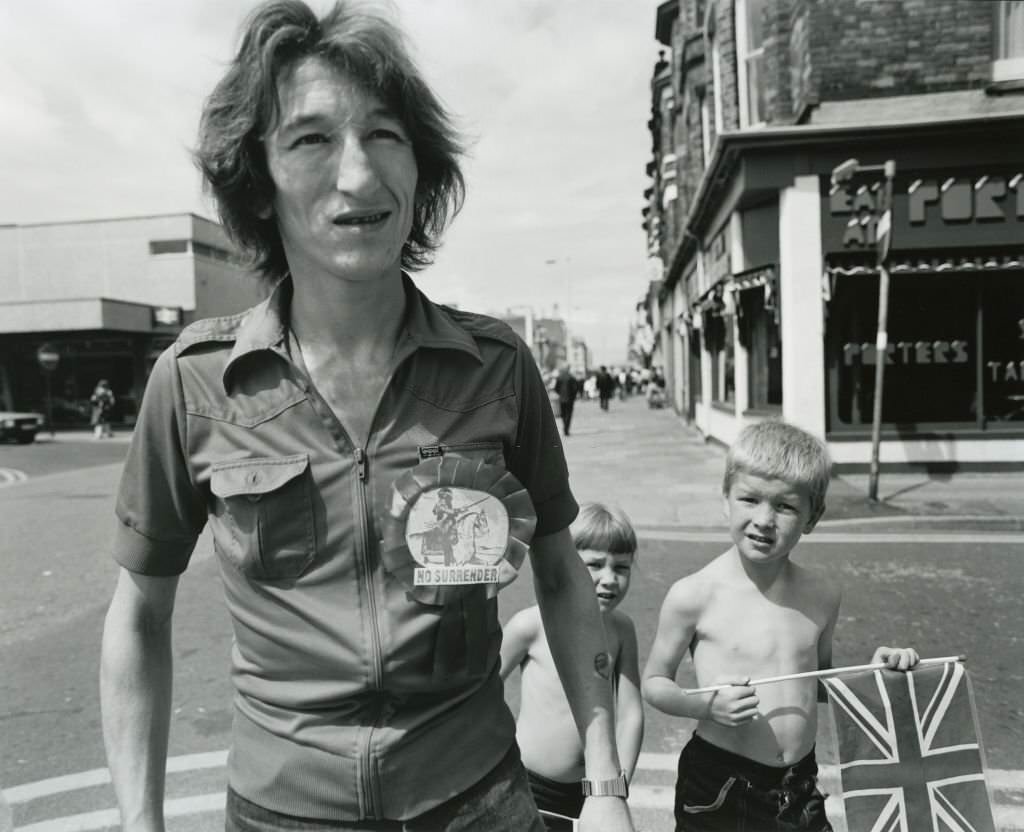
(370, 50)
(602, 528)
(778, 450)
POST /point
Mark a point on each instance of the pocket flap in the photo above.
(255, 476)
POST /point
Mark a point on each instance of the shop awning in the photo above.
(932, 265)
(753, 279)
(710, 302)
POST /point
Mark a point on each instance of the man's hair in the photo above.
(778, 450)
(368, 49)
(602, 528)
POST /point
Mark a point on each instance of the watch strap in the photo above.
(618, 787)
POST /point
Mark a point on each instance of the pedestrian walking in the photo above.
(605, 386)
(364, 698)
(567, 386)
(102, 403)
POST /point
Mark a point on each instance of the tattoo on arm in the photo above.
(603, 666)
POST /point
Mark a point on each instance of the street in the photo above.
(941, 587)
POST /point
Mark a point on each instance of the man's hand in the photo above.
(896, 658)
(734, 705)
(605, 814)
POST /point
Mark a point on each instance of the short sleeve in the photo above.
(538, 460)
(160, 511)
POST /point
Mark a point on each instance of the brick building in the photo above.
(107, 297)
(768, 299)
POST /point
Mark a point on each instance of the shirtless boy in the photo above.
(754, 613)
(547, 736)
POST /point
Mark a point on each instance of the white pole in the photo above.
(819, 674)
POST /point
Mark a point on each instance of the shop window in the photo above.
(1003, 355)
(1009, 58)
(722, 349)
(750, 60)
(759, 327)
(932, 357)
(696, 373)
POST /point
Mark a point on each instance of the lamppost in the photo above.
(842, 175)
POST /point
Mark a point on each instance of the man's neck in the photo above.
(348, 317)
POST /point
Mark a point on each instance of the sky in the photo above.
(100, 100)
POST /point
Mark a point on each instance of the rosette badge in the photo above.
(455, 523)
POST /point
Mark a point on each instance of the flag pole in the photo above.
(821, 674)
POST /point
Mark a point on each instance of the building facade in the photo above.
(768, 303)
(106, 297)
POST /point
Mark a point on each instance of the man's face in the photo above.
(767, 516)
(344, 175)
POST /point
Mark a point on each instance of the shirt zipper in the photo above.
(376, 657)
(369, 782)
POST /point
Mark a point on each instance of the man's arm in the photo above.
(516, 638)
(572, 622)
(135, 695)
(629, 706)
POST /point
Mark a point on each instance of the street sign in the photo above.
(48, 357)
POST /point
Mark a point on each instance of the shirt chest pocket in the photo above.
(262, 516)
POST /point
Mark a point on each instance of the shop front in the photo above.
(954, 375)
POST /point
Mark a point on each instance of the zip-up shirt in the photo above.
(353, 698)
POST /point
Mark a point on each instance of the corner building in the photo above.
(768, 303)
(107, 296)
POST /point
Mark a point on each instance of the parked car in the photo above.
(21, 427)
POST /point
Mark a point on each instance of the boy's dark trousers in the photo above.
(718, 791)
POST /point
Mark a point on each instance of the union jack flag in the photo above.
(909, 754)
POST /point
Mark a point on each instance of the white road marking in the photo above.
(652, 797)
(101, 776)
(642, 797)
(11, 476)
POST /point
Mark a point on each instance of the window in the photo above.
(168, 246)
(212, 252)
(705, 129)
(722, 347)
(760, 331)
(1003, 350)
(931, 371)
(1009, 58)
(716, 82)
(750, 61)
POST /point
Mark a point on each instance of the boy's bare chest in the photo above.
(748, 625)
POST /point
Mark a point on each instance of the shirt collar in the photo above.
(426, 324)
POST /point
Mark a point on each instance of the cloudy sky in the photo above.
(99, 101)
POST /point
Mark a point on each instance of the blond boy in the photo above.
(752, 613)
(545, 730)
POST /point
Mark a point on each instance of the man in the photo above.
(568, 389)
(605, 386)
(363, 702)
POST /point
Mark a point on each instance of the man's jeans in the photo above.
(500, 802)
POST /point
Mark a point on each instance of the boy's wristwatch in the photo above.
(619, 787)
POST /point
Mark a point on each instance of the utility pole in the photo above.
(841, 177)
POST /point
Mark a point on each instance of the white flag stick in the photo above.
(820, 674)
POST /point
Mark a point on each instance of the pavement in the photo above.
(686, 471)
(668, 479)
